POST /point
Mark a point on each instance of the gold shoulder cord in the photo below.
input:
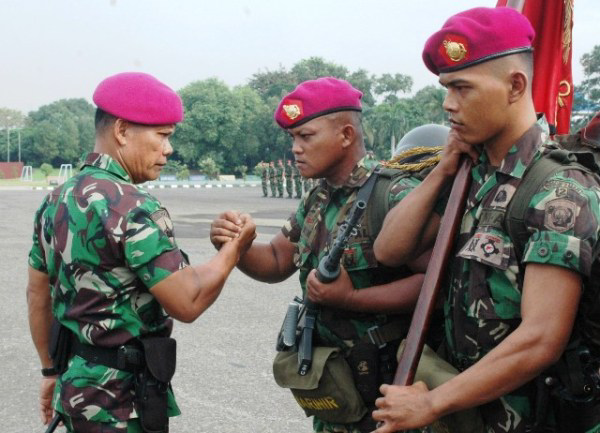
(396, 161)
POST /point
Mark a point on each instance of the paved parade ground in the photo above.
(224, 381)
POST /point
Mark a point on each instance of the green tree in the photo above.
(388, 86)
(183, 173)
(590, 86)
(241, 170)
(225, 124)
(60, 132)
(46, 169)
(209, 167)
(431, 99)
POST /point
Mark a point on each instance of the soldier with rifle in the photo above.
(527, 356)
(352, 325)
(106, 277)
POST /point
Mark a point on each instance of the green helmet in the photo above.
(430, 135)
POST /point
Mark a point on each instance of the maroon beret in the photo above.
(475, 36)
(315, 98)
(139, 98)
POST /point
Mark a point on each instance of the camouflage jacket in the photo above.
(313, 228)
(484, 298)
(103, 242)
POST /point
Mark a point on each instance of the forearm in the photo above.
(261, 263)
(210, 277)
(395, 297)
(40, 322)
(408, 228)
(519, 358)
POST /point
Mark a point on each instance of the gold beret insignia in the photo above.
(455, 50)
(292, 111)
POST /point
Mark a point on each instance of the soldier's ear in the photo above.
(518, 86)
(348, 132)
(120, 128)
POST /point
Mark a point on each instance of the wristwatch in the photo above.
(49, 372)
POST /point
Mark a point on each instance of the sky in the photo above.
(55, 49)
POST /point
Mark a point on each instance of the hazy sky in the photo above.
(53, 49)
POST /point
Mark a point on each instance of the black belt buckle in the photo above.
(128, 358)
(376, 337)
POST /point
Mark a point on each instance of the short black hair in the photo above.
(103, 119)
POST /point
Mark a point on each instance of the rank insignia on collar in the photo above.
(455, 51)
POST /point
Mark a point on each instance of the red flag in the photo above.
(552, 78)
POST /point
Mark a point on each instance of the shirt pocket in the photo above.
(359, 255)
(493, 291)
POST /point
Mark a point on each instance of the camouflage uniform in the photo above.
(484, 298)
(288, 181)
(297, 181)
(272, 181)
(279, 180)
(103, 242)
(264, 177)
(313, 228)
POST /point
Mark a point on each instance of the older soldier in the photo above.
(105, 264)
(509, 316)
(323, 118)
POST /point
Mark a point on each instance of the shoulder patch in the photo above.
(560, 215)
(162, 218)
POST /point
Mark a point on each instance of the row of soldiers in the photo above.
(275, 176)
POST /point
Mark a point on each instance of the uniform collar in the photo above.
(358, 176)
(521, 154)
(104, 161)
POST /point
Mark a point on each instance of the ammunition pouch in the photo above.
(153, 381)
(327, 391)
(152, 361)
(572, 387)
(434, 371)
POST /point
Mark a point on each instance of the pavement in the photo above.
(224, 380)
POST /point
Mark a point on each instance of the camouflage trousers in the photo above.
(82, 425)
(264, 188)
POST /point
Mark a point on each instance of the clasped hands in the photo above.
(233, 226)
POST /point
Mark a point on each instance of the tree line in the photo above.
(230, 129)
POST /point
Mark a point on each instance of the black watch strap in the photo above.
(49, 372)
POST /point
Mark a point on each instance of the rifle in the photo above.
(421, 318)
(327, 271)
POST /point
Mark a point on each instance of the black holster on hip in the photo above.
(153, 382)
(59, 348)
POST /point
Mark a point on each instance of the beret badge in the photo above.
(292, 111)
(455, 50)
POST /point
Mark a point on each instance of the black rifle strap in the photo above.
(365, 191)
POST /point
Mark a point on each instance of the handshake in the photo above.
(235, 227)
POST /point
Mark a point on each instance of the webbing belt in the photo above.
(126, 357)
(381, 335)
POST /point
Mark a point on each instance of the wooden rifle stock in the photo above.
(421, 318)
